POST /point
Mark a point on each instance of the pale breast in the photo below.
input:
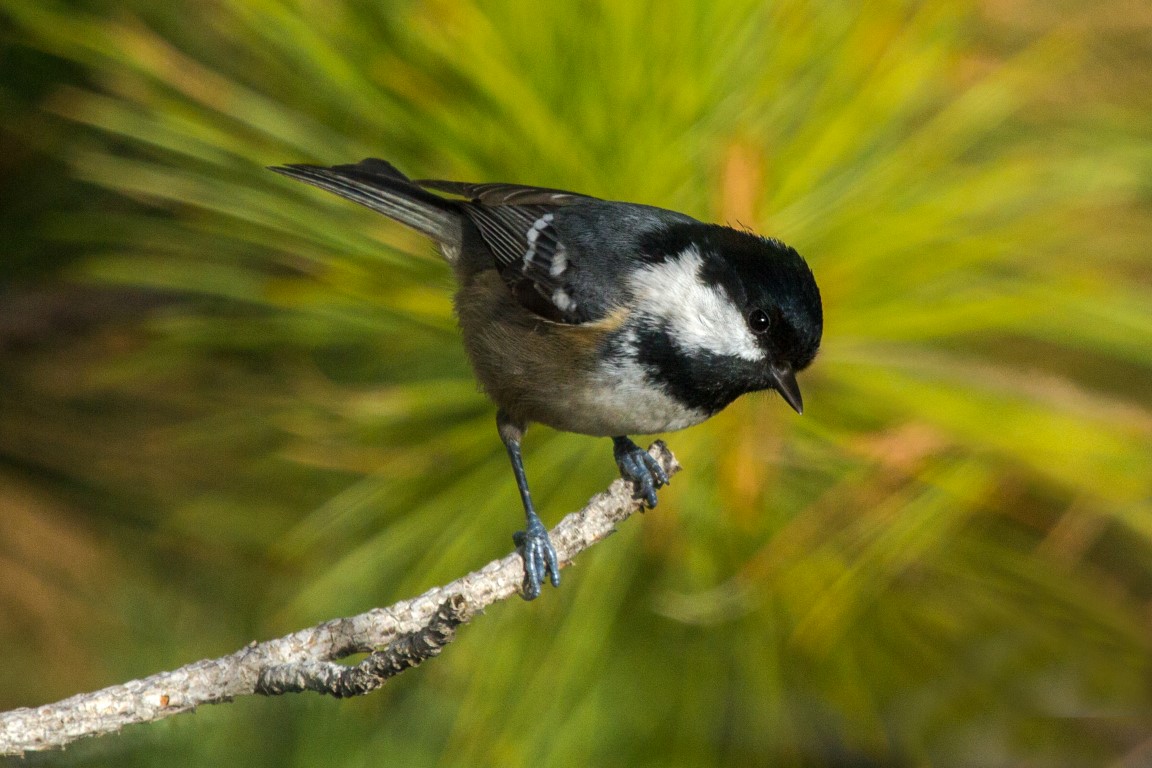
(620, 400)
(555, 374)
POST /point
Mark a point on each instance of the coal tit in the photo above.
(598, 317)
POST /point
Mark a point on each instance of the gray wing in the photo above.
(495, 194)
(516, 223)
(532, 257)
(571, 263)
(563, 255)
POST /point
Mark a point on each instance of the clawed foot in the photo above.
(636, 465)
(539, 557)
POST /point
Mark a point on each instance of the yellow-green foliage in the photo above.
(945, 561)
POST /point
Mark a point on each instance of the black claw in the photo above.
(539, 558)
(636, 465)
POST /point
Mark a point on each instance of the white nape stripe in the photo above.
(699, 316)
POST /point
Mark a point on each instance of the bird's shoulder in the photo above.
(564, 255)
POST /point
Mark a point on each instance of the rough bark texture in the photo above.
(342, 681)
(408, 632)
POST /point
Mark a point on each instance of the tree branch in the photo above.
(408, 632)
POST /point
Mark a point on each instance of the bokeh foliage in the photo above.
(233, 405)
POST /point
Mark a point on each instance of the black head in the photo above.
(773, 292)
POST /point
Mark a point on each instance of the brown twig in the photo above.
(408, 632)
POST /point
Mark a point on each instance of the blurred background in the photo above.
(232, 406)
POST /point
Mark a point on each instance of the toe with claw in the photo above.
(539, 557)
(638, 466)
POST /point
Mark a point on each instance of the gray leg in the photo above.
(535, 546)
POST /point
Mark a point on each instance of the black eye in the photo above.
(758, 321)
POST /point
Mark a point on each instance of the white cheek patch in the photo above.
(699, 316)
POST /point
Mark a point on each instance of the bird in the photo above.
(599, 317)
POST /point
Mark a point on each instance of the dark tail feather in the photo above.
(378, 185)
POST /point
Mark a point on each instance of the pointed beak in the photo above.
(784, 379)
